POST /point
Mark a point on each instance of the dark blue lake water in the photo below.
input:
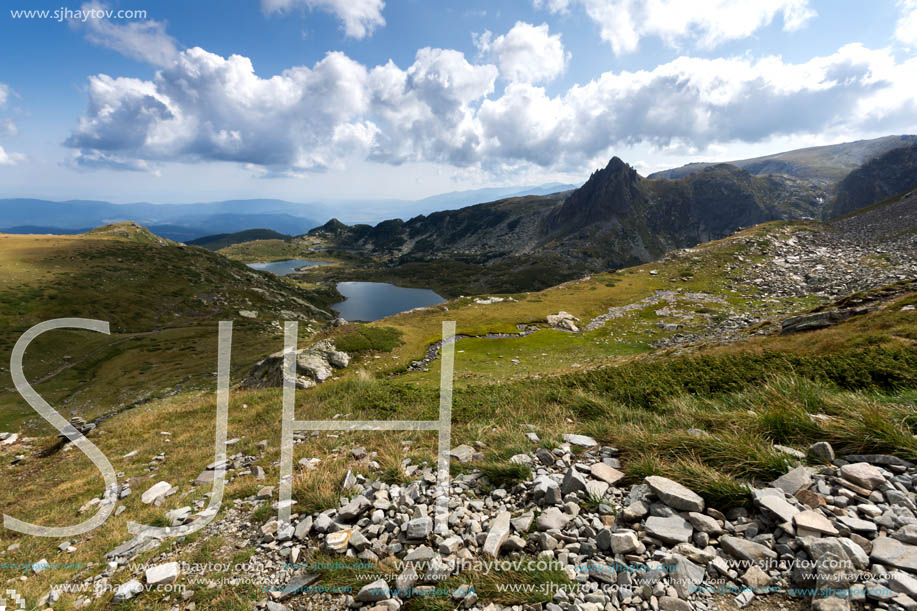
(374, 300)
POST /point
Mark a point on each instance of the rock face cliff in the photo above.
(893, 173)
(616, 218)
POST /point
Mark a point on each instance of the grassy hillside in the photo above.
(222, 240)
(162, 300)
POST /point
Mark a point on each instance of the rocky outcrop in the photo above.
(314, 365)
(564, 320)
(893, 173)
(818, 320)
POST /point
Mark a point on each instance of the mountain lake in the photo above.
(368, 301)
(284, 267)
(363, 301)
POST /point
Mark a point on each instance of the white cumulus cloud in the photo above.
(359, 17)
(10, 158)
(697, 102)
(622, 23)
(207, 107)
(444, 108)
(526, 54)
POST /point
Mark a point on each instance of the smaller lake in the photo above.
(285, 267)
(368, 301)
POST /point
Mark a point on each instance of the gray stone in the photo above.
(813, 523)
(450, 545)
(596, 489)
(891, 552)
(684, 575)
(581, 440)
(358, 541)
(674, 494)
(672, 603)
(298, 584)
(669, 530)
(419, 528)
(744, 549)
(420, 554)
(573, 482)
(907, 533)
(755, 578)
(863, 474)
(744, 598)
(635, 511)
(831, 603)
(499, 531)
(624, 542)
(127, 591)
(206, 477)
(463, 453)
(778, 506)
(794, 480)
(523, 522)
(858, 525)
(374, 592)
(552, 518)
(354, 509)
(854, 552)
(704, 523)
(405, 581)
(902, 583)
(303, 528)
(822, 450)
(607, 474)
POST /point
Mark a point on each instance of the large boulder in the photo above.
(314, 365)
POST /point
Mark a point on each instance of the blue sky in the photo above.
(325, 99)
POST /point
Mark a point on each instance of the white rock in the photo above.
(674, 494)
(156, 491)
(163, 574)
(863, 474)
(374, 592)
(499, 530)
(581, 440)
(127, 591)
(607, 474)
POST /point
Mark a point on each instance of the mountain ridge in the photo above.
(828, 163)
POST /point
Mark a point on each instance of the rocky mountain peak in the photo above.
(609, 192)
(332, 227)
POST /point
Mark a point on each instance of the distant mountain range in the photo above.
(824, 164)
(186, 222)
(618, 218)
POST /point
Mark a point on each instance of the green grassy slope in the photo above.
(163, 302)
